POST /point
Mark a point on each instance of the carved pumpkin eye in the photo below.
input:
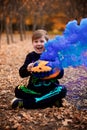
(40, 68)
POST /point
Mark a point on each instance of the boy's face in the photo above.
(38, 44)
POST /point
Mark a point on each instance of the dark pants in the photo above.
(41, 101)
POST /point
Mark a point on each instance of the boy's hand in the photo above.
(29, 67)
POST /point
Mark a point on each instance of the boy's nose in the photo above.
(38, 43)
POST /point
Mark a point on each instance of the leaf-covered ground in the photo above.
(73, 116)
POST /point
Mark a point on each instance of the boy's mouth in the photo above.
(39, 48)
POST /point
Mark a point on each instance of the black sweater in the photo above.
(32, 57)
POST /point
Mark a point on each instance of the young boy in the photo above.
(37, 88)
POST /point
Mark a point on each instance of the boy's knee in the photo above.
(63, 91)
(16, 89)
(17, 92)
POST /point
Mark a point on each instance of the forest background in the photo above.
(21, 16)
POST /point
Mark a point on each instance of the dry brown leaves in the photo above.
(65, 118)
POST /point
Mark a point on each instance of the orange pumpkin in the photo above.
(41, 70)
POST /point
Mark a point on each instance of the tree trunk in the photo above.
(11, 31)
(7, 28)
(34, 22)
(21, 28)
(7, 34)
(1, 29)
(24, 30)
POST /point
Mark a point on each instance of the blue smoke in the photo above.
(69, 49)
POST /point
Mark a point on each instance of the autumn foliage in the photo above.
(73, 114)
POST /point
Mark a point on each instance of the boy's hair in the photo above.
(39, 33)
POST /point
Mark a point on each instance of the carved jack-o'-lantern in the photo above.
(41, 70)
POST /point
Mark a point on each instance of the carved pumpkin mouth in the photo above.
(41, 70)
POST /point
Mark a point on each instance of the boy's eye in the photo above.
(41, 41)
(36, 41)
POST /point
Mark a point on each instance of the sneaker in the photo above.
(17, 102)
(58, 103)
